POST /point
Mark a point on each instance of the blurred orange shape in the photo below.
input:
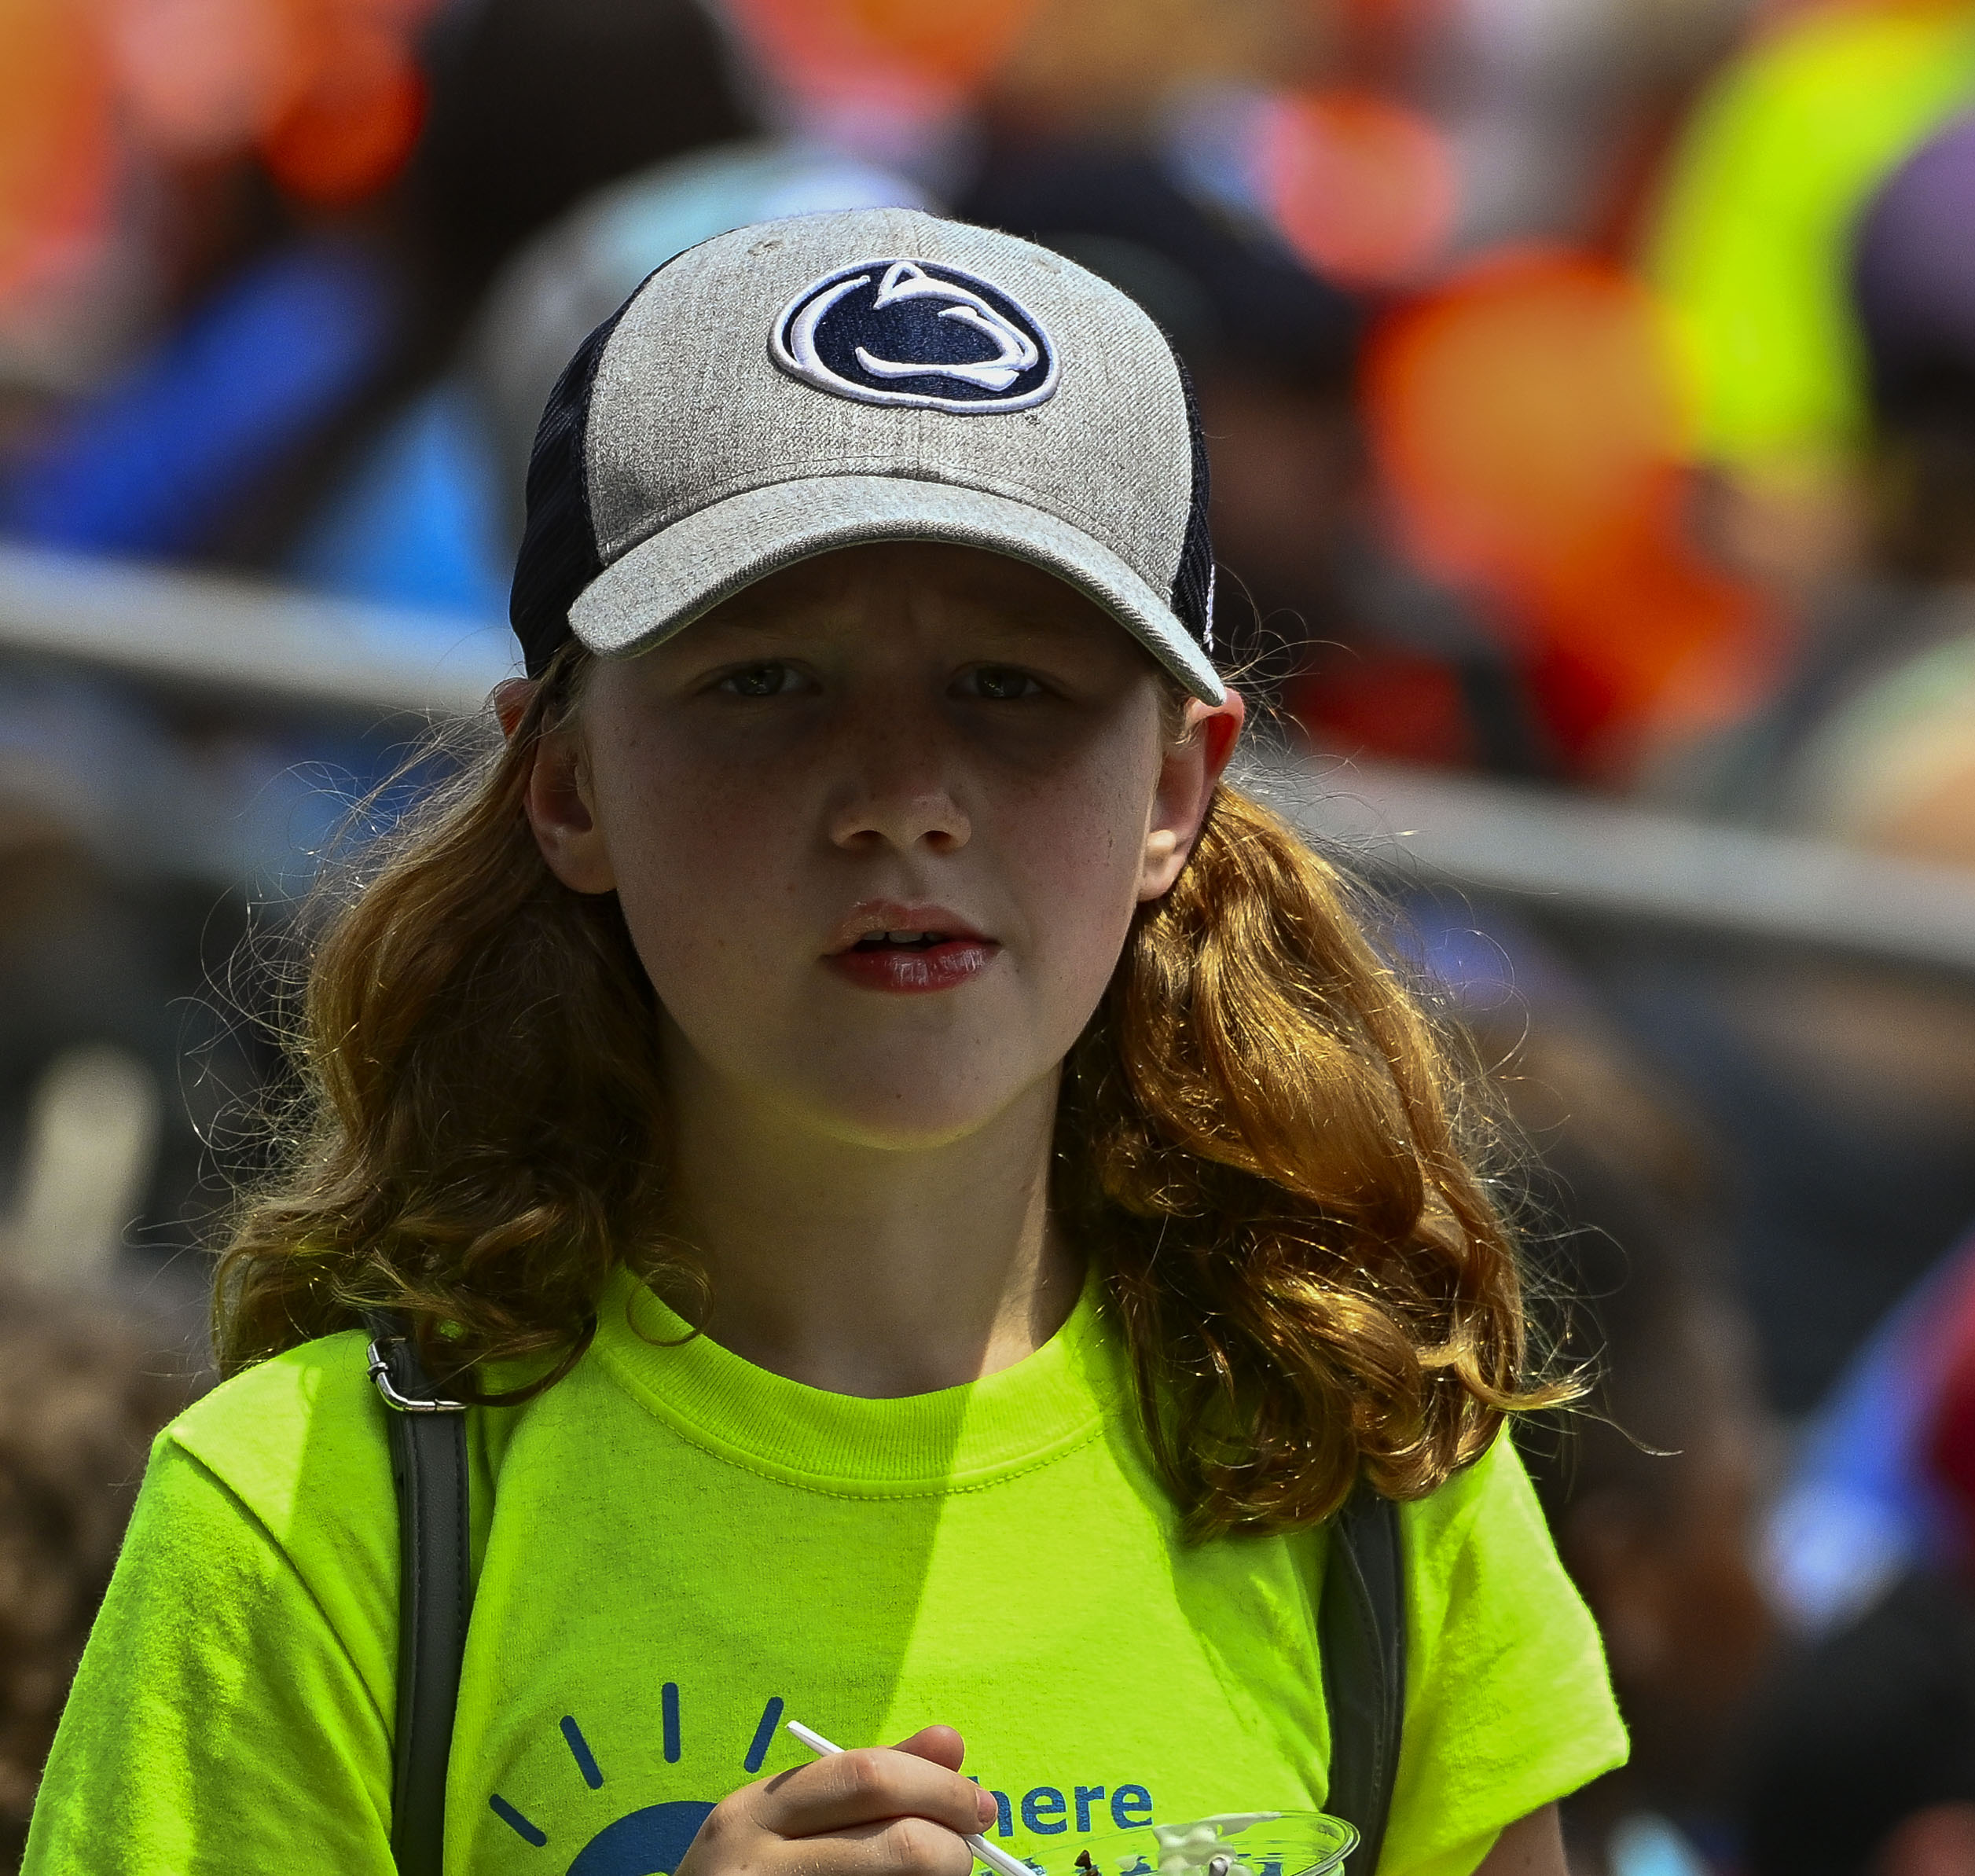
(1524, 421)
(202, 78)
(1521, 413)
(56, 155)
(1363, 189)
(327, 88)
(353, 130)
(955, 44)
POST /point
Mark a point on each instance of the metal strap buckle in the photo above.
(399, 1403)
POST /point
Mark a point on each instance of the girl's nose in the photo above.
(901, 818)
(900, 794)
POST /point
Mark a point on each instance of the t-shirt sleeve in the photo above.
(1508, 1704)
(218, 1722)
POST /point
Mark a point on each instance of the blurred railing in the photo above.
(1554, 855)
(232, 638)
(1588, 859)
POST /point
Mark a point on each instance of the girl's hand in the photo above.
(895, 1810)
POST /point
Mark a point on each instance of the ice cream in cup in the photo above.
(1230, 1843)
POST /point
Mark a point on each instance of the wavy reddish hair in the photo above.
(1255, 1144)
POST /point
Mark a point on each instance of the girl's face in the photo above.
(878, 824)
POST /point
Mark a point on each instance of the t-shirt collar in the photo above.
(1044, 1406)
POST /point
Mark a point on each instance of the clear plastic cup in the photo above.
(1240, 1843)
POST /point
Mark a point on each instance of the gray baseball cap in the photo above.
(866, 375)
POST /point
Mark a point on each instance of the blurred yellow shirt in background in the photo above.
(1752, 251)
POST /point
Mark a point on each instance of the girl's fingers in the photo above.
(875, 1785)
(945, 1746)
(739, 1839)
(900, 1846)
(941, 1744)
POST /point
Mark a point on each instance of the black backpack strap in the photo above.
(428, 1468)
(1361, 1634)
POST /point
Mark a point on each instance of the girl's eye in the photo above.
(1000, 683)
(761, 680)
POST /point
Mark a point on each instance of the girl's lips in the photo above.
(912, 971)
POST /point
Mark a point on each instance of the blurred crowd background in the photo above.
(1591, 386)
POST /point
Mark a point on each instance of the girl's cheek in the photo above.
(1083, 905)
(679, 816)
(1089, 840)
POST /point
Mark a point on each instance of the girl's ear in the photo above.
(562, 813)
(1187, 776)
(512, 696)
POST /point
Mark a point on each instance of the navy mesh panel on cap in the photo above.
(1193, 584)
(559, 556)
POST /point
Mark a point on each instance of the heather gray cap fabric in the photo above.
(867, 375)
(574, 276)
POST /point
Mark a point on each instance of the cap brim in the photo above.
(664, 583)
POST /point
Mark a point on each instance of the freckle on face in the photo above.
(744, 830)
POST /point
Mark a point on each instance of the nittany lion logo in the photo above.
(915, 333)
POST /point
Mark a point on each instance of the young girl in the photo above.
(935, 1199)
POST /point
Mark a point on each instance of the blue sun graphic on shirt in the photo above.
(651, 1841)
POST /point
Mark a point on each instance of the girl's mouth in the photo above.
(901, 941)
(912, 962)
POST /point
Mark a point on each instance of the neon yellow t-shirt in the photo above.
(676, 1551)
(1753, 252)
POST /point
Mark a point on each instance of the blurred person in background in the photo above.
(1864, 1756)
(1653, 1493)
(344, 292)
(1751, 250)
(1851, 1091)
(1525, 430)
(1523, 415)
(1653, 1488)
(1872, 739)
(1809, 677)
(258, 130)
(83, 1389)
